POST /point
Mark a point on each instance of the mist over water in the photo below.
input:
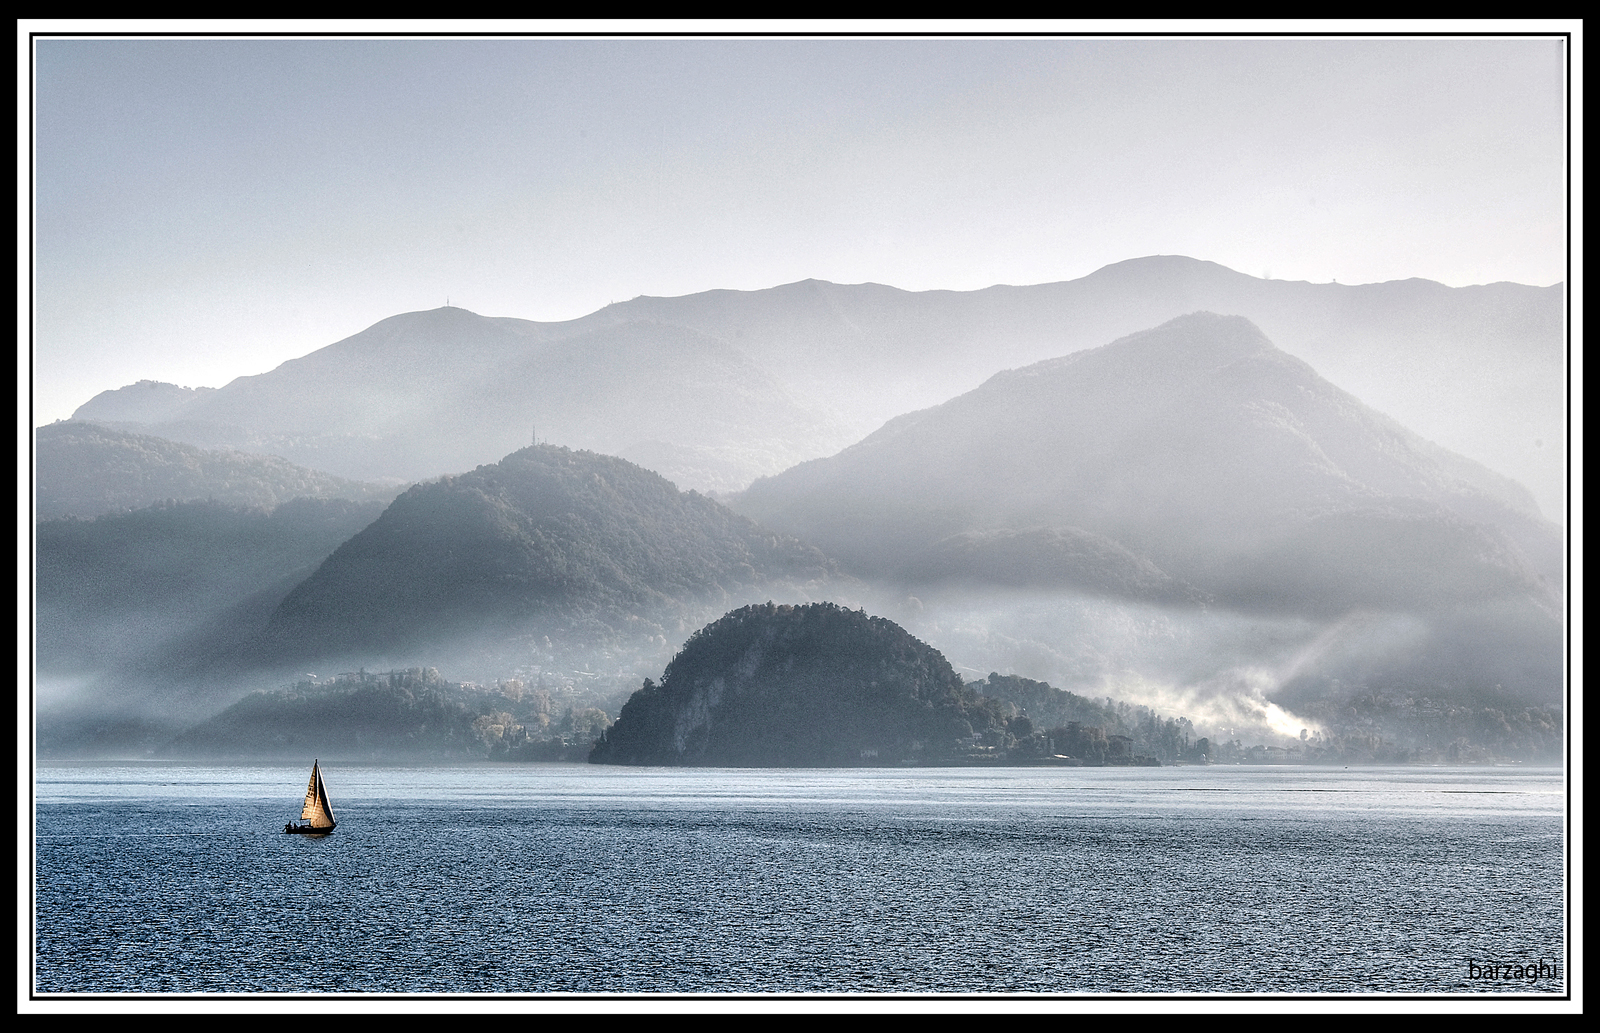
(1216, 667)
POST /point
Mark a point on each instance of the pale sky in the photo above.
(210, 208)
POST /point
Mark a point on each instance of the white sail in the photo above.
(317, 809)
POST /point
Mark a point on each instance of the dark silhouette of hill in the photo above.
(714, 389)
(1201, 453)
(84, 470)
(583, 548)
(787, 686)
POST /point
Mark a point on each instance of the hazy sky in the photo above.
(209, 208)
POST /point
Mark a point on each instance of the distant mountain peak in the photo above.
(1179, 348)
(444, 315)
(1198, 445)
(1166, 261)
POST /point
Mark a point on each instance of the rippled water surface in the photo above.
(536, 879)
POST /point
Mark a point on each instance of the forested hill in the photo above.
(786, 686)
(549, 541)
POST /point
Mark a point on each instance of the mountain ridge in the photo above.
(1479, 369)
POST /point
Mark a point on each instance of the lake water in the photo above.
(570, 879)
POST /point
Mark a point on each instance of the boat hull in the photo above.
(306, 830)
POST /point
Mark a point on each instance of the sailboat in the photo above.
(317, 813)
